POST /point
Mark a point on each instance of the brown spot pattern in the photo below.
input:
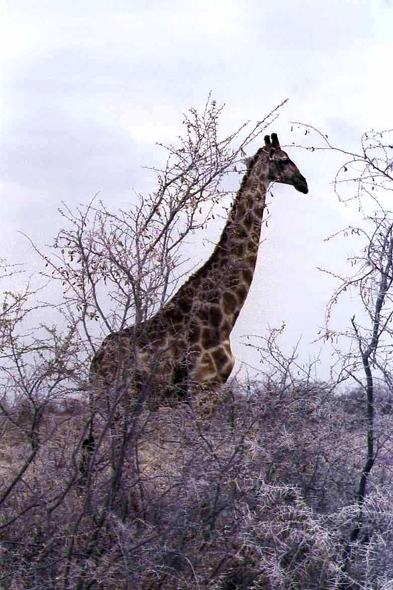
(210, 337)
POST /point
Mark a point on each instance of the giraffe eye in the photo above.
(283, 163)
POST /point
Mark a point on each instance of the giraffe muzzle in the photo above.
(301, 185)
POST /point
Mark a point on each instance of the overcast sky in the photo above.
(88, 87)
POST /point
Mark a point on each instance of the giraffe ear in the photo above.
(271, 153)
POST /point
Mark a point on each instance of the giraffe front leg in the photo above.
(224, 361)
(210, 374)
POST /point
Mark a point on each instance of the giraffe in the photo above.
(186, 345)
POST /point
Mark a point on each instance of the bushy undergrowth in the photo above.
(260, 496)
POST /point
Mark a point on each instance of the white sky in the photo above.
(88, 87)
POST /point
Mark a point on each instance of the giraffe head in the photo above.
(278, 167)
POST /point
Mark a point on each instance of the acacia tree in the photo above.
(365, 179)
(119, 267)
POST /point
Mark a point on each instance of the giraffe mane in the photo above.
(250, 164)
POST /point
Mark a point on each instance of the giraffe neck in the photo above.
(223, 282)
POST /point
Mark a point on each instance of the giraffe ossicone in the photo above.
(185, 347)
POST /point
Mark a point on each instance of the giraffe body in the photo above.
(186, 344)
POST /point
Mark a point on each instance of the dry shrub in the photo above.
(174, 501)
